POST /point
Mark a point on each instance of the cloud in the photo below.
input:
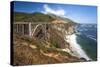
(59, 12)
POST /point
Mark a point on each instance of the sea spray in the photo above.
(75, 47)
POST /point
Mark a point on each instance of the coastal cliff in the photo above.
(49, 42)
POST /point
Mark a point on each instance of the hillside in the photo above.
(47, 44)
(29, 51)
(31, 17)
(39, 17)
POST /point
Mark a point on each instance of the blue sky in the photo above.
(78, 13)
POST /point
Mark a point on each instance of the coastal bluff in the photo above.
(41, 39)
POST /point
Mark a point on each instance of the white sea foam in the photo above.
(76, 48)
(91, 37)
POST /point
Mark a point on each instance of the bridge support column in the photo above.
(17, 28)
(30, 29)
(23, 29)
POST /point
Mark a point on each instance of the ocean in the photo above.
(86, 37)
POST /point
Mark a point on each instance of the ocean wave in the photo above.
(76, 48)
(91, 37)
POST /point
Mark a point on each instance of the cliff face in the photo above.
(46, 44)
(53, 33)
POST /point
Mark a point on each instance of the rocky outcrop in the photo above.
(53, 33)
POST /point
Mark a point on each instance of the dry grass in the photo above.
(26, 55)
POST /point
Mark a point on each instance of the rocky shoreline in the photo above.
(76, 48)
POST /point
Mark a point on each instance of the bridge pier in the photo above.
(30, 29)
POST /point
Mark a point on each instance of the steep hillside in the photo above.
(48, 41)
(67, 20)
(29, 51)
(31, 17)
(39, 17)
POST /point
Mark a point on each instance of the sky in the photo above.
(78, 13)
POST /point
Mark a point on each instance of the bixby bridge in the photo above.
(28, 28)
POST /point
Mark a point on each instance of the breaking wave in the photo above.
(76, 48)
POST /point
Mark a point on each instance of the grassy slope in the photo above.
(38, 17)
(25, 55)
(35, 17)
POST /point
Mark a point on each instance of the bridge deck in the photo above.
(28, 28)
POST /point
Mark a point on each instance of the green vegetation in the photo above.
(38, 17)
(34, 17)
